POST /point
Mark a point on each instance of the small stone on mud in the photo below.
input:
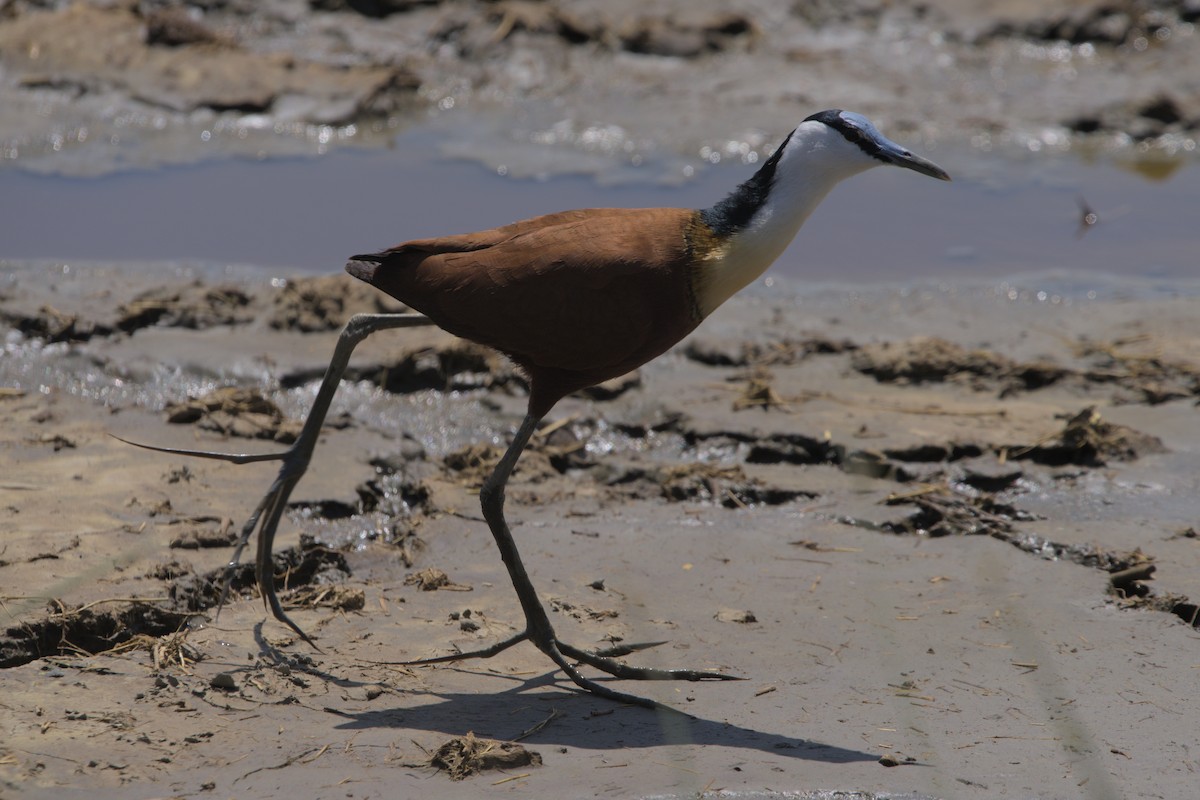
(734, 615)
(223, 680)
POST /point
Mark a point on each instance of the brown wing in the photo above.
(596, 291)
(468, 242)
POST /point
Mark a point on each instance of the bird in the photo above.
(575, 298)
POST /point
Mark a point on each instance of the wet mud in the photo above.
(928, 527)
(121, 83)
(918, 440)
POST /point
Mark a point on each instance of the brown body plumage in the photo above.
(574, 298)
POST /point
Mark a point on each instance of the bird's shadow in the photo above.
(583, 721)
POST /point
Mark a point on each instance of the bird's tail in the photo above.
(364, 266)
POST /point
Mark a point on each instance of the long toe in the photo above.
(619, 669)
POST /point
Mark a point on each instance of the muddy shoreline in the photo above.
(947, 532)
(563, 87)
(973, 536)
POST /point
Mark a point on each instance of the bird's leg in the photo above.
(295, 460)
(538, 629)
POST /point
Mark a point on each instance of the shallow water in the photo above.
(999, 218)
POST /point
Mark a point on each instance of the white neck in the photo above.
(813, 161)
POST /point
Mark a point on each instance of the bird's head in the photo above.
(849, 142)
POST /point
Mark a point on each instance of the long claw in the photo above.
(618, 650)
(234, 458)
(624, 671)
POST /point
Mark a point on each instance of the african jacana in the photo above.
(575, 298)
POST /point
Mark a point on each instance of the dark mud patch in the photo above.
(195, 306)
(782, 448)
(236, 411)
(1140, 377)
(688, 35)
(553, 451)
(326, 303)
(785, 352)
(457, 366)
(1088, 440)
(86, 629)
(309, 564)
(52, 325)
(88, 47)
(943, 511)
(1142, 374)
(929, 359)
(1129, 585)
(1187, 610)
(728, 487)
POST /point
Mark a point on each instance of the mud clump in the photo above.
(1087, 440)
(308, 564)
(235, 411)
(941, 511)
(728, 487)
(457, 366)
(53, 325)
(326, 303)
(464, 756)
(786, 352)
(687, 36)
(928, 359)
(86, 629)
(195, 306)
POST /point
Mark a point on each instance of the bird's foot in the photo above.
(606, 661)
(268, 512)
(603, 660)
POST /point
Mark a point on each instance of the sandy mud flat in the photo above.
(949, 531)
(948, 534)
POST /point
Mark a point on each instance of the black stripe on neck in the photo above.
(735, 211)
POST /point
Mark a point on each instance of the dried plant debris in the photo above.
(757, 392)
(785, 352)
(431, 579)
(1087, 440)
(202, 532)
(580, 612)
(541, 18)
(308, 564)
(1135, 364)
(929, 359)
(52, 325)
(471, 465)
(343, 598)
(236, 411)
(777, 448)
(93, 628)
(171, 650)
(326, 303)
(1145, 377)
(687, 35)
(724, 486)
(464, 756)
(457, 366)
(1128, 583)
(197, 305)
(943, 511)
